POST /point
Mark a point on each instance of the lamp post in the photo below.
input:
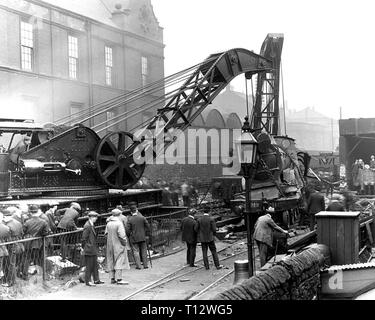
(247, 153)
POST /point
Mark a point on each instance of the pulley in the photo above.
(115, 162)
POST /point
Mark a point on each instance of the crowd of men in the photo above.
(125, 235)
(17, 223)
(315, 203)
(363, 176)
(174, 193)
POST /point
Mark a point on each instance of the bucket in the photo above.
(241, 271)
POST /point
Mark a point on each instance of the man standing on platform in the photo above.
(189, 235)
(90, 250)
(206, 230)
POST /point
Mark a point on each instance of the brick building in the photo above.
(61, 56)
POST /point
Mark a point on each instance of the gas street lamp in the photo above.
(247, 147)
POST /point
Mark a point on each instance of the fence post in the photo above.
(169, 224)
(44, 259)
(151, 231)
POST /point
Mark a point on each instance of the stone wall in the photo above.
(297, 278)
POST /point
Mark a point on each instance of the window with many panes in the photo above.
(108, 65)
(73, 57)
(144, 71)
(27, 46)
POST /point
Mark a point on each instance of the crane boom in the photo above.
(266, 110)
(116, 159)
(202, 87)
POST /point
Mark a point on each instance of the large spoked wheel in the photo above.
(115, 162)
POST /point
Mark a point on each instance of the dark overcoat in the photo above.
(89, 240)
(206, 229)
(189, 234)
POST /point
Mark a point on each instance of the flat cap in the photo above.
(75, 205)
(116, 212)
(93, 214)
(33, 208)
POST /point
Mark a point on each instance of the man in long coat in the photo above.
(117, 253)
(15, 250)
(35, 227)
(136, 228)
(189, 235)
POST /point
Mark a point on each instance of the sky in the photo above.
(328, 54)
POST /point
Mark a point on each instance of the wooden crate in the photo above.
(340, 232)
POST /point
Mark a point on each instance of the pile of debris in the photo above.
(365, 207)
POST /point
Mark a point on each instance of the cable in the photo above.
(284, 107)
(151, 104)
(139, 92)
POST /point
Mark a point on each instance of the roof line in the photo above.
(105, 6)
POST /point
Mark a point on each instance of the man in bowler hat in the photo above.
(189, 235)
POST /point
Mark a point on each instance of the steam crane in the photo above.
(66, 159)
(282, 168)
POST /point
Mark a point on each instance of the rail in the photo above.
(175, 274)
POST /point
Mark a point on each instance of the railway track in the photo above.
(211, 286)
(168, 285)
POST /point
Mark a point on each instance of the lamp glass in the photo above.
(246, 148)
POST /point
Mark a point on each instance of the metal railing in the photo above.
(60, 254)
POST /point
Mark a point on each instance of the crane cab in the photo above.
(12, 132)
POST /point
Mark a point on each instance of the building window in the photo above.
(73, 57)
(108, 65)
(27, 46)
(144, 71)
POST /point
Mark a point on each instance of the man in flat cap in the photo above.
(90, 250)
(34, 227)
(14, 261)
(66, 224)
